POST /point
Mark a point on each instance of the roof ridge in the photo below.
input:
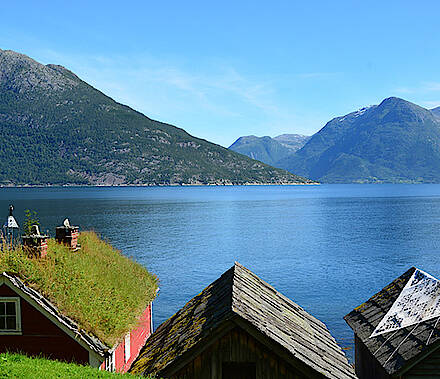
(284, 321)
(366, 317)
(240, 294)
(288, 301)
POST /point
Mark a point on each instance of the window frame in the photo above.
(110, 362)
(18, 329)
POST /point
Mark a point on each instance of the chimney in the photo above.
(36, 242)
(67, 235)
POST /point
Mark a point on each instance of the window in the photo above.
(10, 315)
(110, 362)
(239, 370)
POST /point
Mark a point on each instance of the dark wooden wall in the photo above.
(427, 368)
(41, 336)
(238, 346)
(366, 365)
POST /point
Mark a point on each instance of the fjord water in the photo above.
(327, 247)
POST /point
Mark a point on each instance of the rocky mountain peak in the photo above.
(393, 101)
(64, 131)
(22, 74)
(394, 108)
(396, 141)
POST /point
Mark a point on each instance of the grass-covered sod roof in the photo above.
(21, 366)
(98, 287)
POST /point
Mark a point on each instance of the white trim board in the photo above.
(94, 356)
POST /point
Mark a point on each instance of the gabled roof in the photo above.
(69, 326)
(395, 350)
(240, 294)
(104, 291)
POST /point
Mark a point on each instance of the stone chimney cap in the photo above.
(35, 230)
(66, 225)
(35, 233)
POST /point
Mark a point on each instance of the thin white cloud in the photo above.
(404, 90)
(430, 104)
(317, 75)
(210, 89)
(422, 88)
(432, 87)
(425, 93)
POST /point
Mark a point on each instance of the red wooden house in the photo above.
(122, 355)
(31, 324)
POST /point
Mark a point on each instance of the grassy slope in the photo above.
(98, 287)
(20, 366)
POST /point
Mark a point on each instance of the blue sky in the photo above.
(225, 69)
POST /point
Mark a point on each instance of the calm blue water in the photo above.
(327, 247)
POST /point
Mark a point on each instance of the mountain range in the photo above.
(269, 150)
(57, 129)
(393, 142)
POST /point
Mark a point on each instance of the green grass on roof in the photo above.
(102, 290)
(21, 366)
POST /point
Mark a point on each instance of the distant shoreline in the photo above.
(157, 185)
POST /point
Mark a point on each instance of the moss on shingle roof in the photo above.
(240, 294)
(98, 287)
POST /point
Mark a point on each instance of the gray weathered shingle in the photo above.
(393, 350)
(240, 293)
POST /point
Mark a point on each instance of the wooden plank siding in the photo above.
(427, 368)
(366, 365)
(238, 346)
(40, 336)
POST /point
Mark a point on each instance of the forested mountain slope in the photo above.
(395, 141)
(57, 129)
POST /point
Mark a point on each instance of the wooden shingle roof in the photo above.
(395, 350)
(239, 293)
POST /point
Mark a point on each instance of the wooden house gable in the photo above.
(46, 331)
(239, 299)
(238, 354)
